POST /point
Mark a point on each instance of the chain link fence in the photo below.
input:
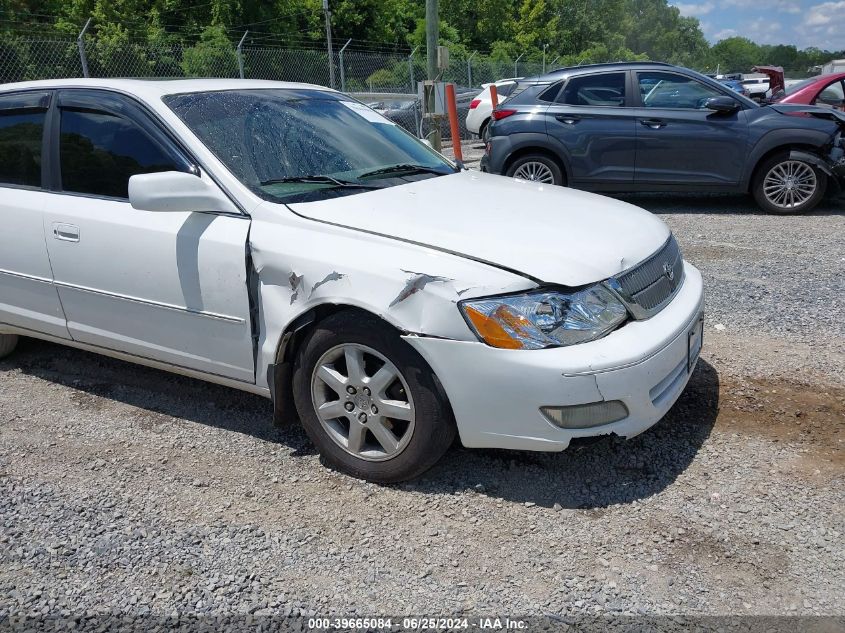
(364, 73)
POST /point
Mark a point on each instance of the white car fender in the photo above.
(301, 264)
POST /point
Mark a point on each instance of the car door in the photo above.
(679, 140)
(589, 118)
(168, 286)
(28, 298)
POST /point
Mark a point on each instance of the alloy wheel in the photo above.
(790, 184)
(535, 171)
(363, 402)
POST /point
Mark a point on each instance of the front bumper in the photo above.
(496, 394)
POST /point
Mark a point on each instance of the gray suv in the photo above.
(656, 127)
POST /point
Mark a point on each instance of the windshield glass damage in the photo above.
(299, 145)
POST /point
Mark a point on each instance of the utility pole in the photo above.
(545, 46)
(328, 13)
(432, 39)
(432, 36)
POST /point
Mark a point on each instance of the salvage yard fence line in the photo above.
(376, 77)
(360, 70)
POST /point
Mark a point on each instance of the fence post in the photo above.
(342, 69)
(328, 13)
(241, 54)
(516, 66)
(469, 68)
(411, 67)
(80, 43)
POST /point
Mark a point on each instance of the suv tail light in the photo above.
(498, 115)
(474, 104)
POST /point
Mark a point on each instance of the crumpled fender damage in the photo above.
(301, 264)
(831, 158)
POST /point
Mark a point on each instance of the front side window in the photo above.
(303, 145)
(21, 134)
(832, 96)
(667, 90)
(99, 152)
(607, 90)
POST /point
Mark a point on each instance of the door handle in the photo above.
(567, 118)
(654, 124)
(65, 232)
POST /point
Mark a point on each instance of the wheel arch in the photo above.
(280, 373)
(782, 141)
(543, 151)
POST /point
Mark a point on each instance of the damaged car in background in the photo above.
(286, 240)
(653, 127)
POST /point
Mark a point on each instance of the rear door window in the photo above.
(21, 136)
(22, 118)
(603, 90)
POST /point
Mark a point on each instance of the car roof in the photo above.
(153, 89)
(559, 73)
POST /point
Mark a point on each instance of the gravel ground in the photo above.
(129, 491)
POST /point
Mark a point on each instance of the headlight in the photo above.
(545, 319)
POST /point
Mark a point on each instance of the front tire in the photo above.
(8, 342)
(785, 186)
(369, 402)
(537, 168)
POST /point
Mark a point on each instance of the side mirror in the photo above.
(725, 105)
(176, 191)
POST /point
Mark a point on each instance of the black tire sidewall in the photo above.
(8, 343)
(768, 207)
(434, 428)
(557, 174)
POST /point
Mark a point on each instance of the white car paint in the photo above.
(757, 86)
(480, 114)
(173, 289)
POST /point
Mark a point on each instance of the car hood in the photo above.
(816, 111)
(551, 234)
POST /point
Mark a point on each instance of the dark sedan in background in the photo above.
(647, 126)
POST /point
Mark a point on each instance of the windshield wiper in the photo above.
(402, 169)
(319, 180)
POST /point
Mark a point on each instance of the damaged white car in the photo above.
(286, 240)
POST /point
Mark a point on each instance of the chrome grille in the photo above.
(650, 285)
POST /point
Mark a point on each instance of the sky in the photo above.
(803, 23)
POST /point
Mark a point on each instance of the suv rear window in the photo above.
(604, 90)
(505, 89)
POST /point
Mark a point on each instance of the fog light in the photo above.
(585, 416)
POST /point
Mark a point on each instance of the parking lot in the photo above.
(130, 490)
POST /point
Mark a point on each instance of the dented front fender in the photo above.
(301, 264)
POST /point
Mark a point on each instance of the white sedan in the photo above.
(287, 240)
(481, 107)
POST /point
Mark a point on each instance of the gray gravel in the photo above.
(129, 491)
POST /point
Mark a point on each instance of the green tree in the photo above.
(736, 54)
(213, 55)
